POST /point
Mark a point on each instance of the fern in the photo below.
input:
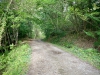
(90, 33)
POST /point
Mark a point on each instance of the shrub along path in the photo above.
(47, 59)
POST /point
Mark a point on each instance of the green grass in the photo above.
(16, 61)
(89, 55)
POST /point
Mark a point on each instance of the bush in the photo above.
(16, 61)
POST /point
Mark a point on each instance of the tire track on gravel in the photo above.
(47, 59)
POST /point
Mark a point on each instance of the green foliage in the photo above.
(55, 18)
(3, 61)
(25, 30)
(95, 35)
(15, 22)
(16, 61)
(90, 33)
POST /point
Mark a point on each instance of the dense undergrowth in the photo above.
(15, 62)
(89, 55)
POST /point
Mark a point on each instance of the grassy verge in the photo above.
(89, 55)
(16, 61)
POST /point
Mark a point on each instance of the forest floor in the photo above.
(47, 59)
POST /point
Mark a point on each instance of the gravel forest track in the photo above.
(47, 59)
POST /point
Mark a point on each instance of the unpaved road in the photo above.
(47, 59)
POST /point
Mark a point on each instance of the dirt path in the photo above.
(47, 59)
